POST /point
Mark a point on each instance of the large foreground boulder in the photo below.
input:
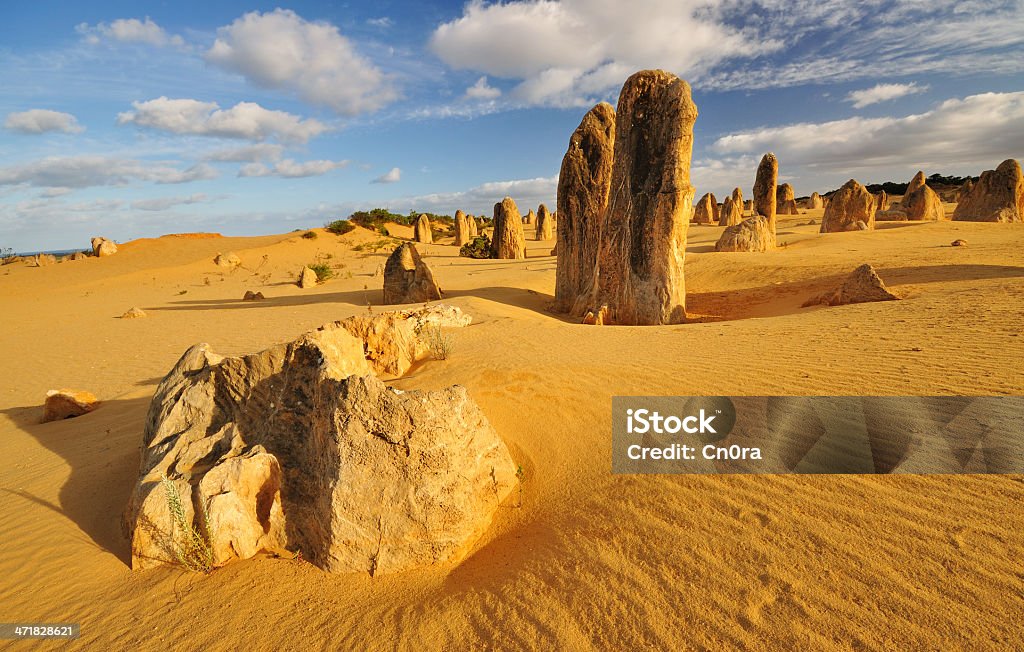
(407, 278)
(861, 286)
(850, 205)
(643, 240)
(583, 183)
(920, 202)
(765, 188)
(997, 197)
(301, 447)
(508, 241)
(752, 234)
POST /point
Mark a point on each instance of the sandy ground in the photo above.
(590, 560)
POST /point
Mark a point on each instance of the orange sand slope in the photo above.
(589, 560)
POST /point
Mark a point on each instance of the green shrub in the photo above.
(311, 235)
(478, 247)
(193, 547)
(440, 345)
(323, 271)
(339, 227)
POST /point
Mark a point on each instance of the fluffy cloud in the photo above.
(247, 154)
(165, 203)
(959, 136)
(882, 93)
(244, 120)
(39, 121)
(570, 52)
(481, 199)
(290, 169)
(394, 175)
(279, 49)
(87, 171)
(129, 30)
(481, 90)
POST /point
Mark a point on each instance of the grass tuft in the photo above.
(193, 547)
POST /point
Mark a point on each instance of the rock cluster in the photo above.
(997, 197)
(861, 286)
(508, 241)
(851, 208)
(301, 447)
(407, 278)
(920, 202)
(583, 183)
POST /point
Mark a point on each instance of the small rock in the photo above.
(959, 242)
(253, 296)
(67, 403)
(134, 313)
(307, 278)
(861, 286)
(229, 259)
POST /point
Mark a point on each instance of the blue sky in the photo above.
(132, 119)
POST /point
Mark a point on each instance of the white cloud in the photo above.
(958, 136)
(38, 121)
(290, 169)
(279, 49)
(394, 175)
(247, 154)
(572, 52)
(528, 193)
(882, 93)
(129, 30)
(244, 120)
(164, 203)
(481, 90)
(87, 171)
(383, 22)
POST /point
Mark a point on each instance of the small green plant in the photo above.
(323, 271)
(386, 244)
(520, 476)
(440, 345)
(193, 547)
(6, 255)
(478, 247)
(309, 235)
(339, 227)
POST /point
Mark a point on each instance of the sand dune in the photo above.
(590, 560)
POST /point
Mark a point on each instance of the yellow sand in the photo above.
(590, 560)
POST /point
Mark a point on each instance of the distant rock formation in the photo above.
(643, 236)
(229, 260)
(530, 219)
(407, 278)
(471, 228)
(737, 198)
(583, 184)
(307, 278)
(765, 187)
(732, 212)
(814, 201)
(422, 231)
(67, 403)
(997, 197)
(861, 286)
(881, 201)
(891, 215)
(294, 440)
(850, 204)
(462, 232)
(508, 242)
(715, 209)
(749, 204)
(545, 224)
(920, 202)
(785, 200)
(703, 211)
(102, 247)
(752, 234)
